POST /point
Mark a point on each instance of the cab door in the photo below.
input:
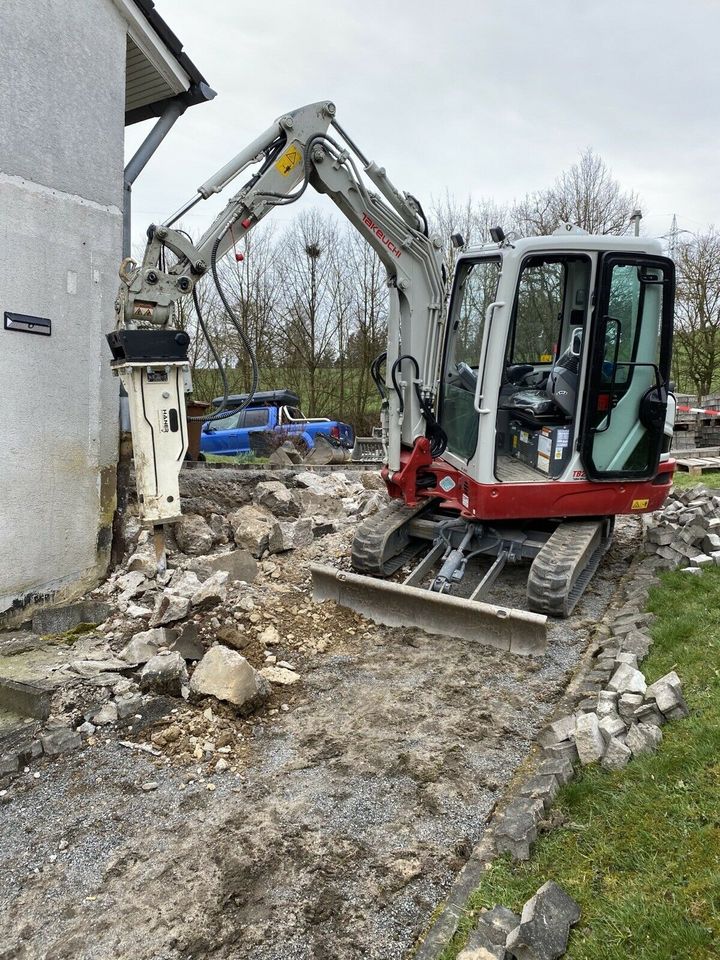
(628, 368)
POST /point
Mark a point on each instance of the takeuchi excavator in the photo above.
(520, 415)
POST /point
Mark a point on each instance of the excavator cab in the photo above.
(557, 363)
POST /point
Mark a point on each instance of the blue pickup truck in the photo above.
(273, 410)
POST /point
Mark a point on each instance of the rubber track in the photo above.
(372, 540)
(563, 567)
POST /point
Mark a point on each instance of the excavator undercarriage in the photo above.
(562, 558)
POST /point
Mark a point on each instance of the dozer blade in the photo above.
(397, 605)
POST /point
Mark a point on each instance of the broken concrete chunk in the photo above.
(643, 738)
(105, 715)
(617, 755)
(186, 643)
(545, 925)
(143, 560)
(70, 615)
(146, 644)
(184, 583)
(280, 675)
(276, 498)
(627, 679)
(164, 673)
(291, 535)
(589, 740)
(128, 705)
(226, 675)
(169, 609)
(238, 563)
(60, 740)
(212, 591)
(193, 535)
(252, 529)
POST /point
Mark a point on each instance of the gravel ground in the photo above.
(353, 812)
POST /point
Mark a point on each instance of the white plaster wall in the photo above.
(62, 74)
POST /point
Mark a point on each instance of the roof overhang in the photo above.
(157, 70)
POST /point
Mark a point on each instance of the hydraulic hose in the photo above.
(216, 357)
(434, 432)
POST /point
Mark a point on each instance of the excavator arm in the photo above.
(306, 147)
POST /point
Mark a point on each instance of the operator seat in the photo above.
(555, 404)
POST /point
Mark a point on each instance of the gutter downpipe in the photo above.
(175, 109)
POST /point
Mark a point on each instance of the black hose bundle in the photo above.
(433, 431)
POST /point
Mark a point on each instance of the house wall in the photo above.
(62, 78)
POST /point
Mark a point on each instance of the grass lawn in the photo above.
(682, 479)
(640, 849)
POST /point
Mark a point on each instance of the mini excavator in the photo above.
(520, 414)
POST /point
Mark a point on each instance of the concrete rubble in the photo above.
(206, 631)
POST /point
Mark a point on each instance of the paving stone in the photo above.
(643, 738)
(611, 726)
(541, 787)
(557, 731)
(544, 925)
(626, 679)
(487, 940)
(617, 755)
(637, 643)
(517, 830)
(667, 694)
(628, 704)
(562, 751)
(606, 703)
(589, 740)
(560, 767)
(648, 713)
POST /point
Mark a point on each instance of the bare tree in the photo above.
(310, 301)
(587, 194)
(472, 219)
(697, 311)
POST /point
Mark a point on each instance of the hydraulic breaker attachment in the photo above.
(400, 605)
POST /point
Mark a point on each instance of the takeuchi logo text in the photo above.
(371, 225)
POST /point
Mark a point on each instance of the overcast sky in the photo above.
(488, 99)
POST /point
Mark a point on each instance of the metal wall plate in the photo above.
(26, 324)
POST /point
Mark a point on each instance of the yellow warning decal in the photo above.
(640, 504)
(545, 358)
(289, 160)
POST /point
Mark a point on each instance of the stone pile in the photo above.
(540, 933)
(685, 534)
(192, 632)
